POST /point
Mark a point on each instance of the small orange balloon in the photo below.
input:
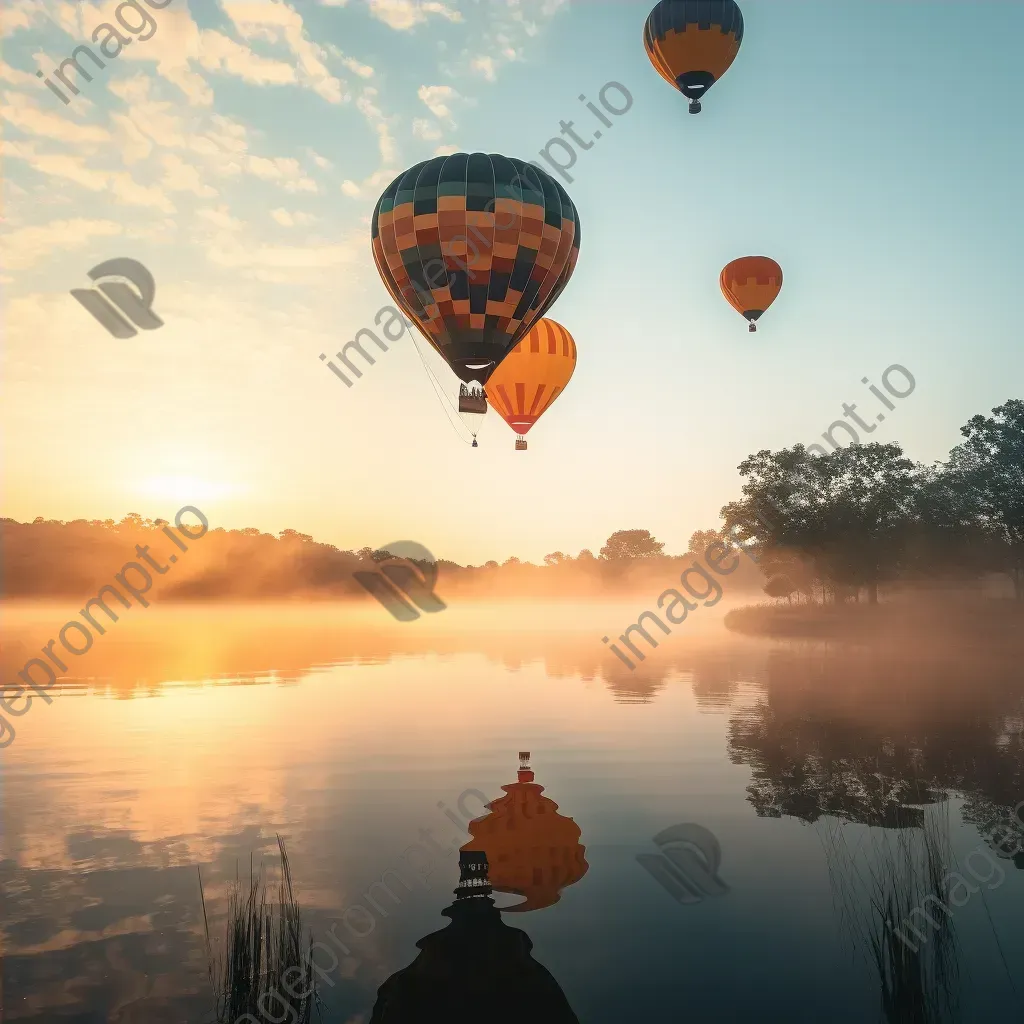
(751, 284)
(532, 375)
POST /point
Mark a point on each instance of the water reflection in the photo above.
(879, 884)
(874, 739)
(533, 850)
(352, 734)
(476, 968)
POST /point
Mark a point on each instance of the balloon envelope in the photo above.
(751, 284)
(692, 43)
(474, 248)
(532, 375)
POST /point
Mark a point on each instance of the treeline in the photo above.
(54, 559)
(831, 527)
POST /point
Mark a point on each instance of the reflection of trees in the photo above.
(233, 644)
(856, 734)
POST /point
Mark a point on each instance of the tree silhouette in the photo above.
(625, 545)
(989, 469)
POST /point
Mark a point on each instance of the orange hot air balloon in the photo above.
(751, 284)
(532, 376)
(532, 850)
(692, 43)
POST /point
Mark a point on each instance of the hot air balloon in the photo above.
(751, 284)
(692, 43)
(475, 248)
(532, 376)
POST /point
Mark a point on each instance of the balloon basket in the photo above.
(752, 328)
(520, 444)
(472, 401)
(695, 107)
(475, 445)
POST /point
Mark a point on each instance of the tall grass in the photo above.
(876, 887)
(265, 960)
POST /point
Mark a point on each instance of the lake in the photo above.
(798, 789)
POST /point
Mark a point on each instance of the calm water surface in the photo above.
(827, 774)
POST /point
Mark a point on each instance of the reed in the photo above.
(265, 961)
(876, 886)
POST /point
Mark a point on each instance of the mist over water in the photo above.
(189, 736)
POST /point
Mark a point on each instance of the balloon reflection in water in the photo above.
(477, 968)
(533, 851)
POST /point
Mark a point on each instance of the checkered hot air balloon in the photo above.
(475, 248)
(692, 43)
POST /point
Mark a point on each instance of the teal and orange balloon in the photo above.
(750, 285)
(692, 43)
(475, 248)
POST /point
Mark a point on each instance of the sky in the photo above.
(872, 149)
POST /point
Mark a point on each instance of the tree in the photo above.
(701, 540)
(303, 538)
(780, 586)
(989, 470)
(847, 513)
(555, 558)
(511, 561)
(626, 545)
(586, 555)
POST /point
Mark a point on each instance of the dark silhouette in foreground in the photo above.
(478, 968)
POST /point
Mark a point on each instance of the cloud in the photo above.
(284, 170)
(507, 30)
(27, 246)
(13, 76)
(486, 66)
(281, 263)
(221, 53)
(281, 24)
(291, 219)
(57, 165)
(220, 217)
(381, 126)
(321, 161)
(22, 112)
(445, 150)
(184, 177)
(130, 191)
(357, 67)
(19, 14)
(376, 182)
(158, 121)
(424, 129)
(437, 98)
(405, 14)
(73, 168)
(134, 144)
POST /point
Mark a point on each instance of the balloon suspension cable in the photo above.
(439, 390)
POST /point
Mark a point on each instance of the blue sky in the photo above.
(872, 149)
